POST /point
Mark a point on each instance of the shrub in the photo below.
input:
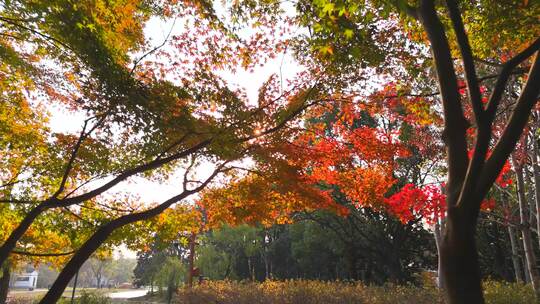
(88, 298)
(508, 293)
(304, 292)
(307, 292)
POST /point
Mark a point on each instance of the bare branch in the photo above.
(136, 63)
(75, 215)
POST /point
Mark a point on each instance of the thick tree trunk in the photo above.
(4, 282)
(101, 234)
(530, 257)
(71, 268)
(459, 257)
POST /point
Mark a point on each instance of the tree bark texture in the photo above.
(459, 260)
(4, 283)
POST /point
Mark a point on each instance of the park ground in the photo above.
(112, 295)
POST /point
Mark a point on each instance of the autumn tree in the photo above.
(391, 37)
(469, 178)
(92, 58)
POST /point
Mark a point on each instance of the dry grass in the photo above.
(307, 292)
(315, 292)
(304, 292)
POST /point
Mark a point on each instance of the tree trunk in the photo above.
(100, 236)
(352, 261)
(515, 254)
(251, 268)
(4, 282)
(253, 277)
(171, 287)
(536, 174)
(516, 257)
(438, 240)
(53, 202)
(530, 257)
(526, 269)
(21, 229)
(266, 267)
(531, 200)
(74, 287)
(191, 259)
(266, 260)
(85, 251)
(459, 259)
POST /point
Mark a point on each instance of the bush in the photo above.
(508, 293)
(306, 292)
(88, 298)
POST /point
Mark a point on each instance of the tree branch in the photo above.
(75, 151)
(27, 253)
(513, 130)
(130, 172)
(136, 63)
(480, 80)
(504, 75)
(47, 37)
(455, 123)
(72, 157)
(468, 61)
(101, 235)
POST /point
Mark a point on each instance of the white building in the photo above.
(27, 280)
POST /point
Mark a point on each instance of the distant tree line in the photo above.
(365, 245)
